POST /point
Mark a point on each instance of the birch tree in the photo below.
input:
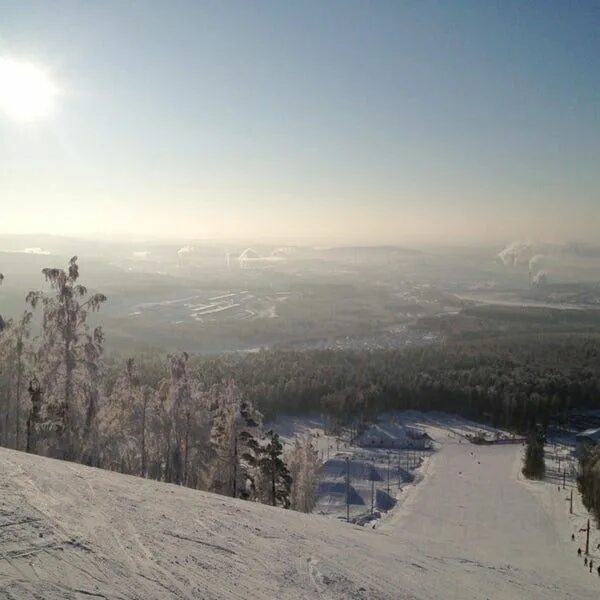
(14, 352)
(303, 463)
(67, 356)
(119, 426)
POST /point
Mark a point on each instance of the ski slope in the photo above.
(473, 529)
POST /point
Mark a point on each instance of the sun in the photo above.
(27, 93)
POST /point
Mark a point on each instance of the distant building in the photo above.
(586, 440)
(251, 259)
(394, 436)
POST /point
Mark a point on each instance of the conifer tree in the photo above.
(533, 462)
(588, 481)
(235, 439)
(276, 480)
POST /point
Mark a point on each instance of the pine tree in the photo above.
(533, 463)
(235, 438)
(588, 481)
(276, 480)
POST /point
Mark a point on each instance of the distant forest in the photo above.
(198, 420)
(510, 382)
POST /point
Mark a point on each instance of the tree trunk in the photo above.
(67, 434)
(185, 449)
(143, 441)
(18, 398)
(235, 465)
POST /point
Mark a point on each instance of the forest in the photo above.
(59, 398)
(198, 420)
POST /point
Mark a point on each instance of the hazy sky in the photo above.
(359, 121)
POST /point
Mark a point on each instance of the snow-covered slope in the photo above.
(472, 529)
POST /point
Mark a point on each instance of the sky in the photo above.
(348, 121)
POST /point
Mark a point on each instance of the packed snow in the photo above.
(471, 529)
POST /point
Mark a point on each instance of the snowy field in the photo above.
(472, 529)
(379, 477)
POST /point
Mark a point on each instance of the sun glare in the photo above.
(26, 91)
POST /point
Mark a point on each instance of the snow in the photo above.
(390, 433)
(364, 463)
(368, 471)
(472, 529)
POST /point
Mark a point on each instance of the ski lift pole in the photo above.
(347, 489)
(372, 489)
(388, 472)
(587, 538)
(571, 503)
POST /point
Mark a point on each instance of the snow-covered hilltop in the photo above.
(472, 529)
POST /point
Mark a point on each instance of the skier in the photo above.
(572, 537)
(578, 551)
(591, 565)
(585, 561)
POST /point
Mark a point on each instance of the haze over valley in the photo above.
(211, 297)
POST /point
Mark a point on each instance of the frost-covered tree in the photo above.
(124, 421)
(14, 353)
(4, 397)
(180, 404)
(235, 436)
(180, 426)
(275, 479)
(303, 463)
(34, 417)
(2, 323)
(92, 386)
(67, 357)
